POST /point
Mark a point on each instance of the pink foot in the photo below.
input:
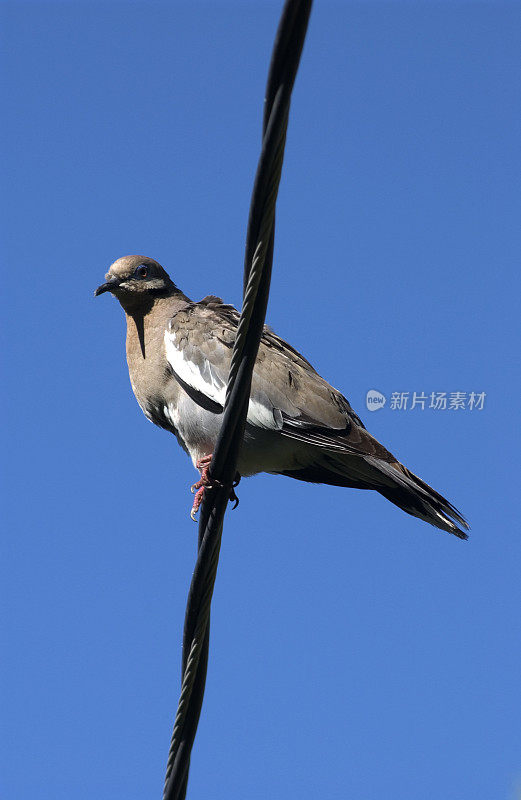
(205, 482)
(198, 499)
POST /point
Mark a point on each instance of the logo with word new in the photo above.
(374, 400)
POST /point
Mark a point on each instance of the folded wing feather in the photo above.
(287, 393)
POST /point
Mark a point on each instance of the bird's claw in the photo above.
(206, 482)
(233, 497)
(198, 499)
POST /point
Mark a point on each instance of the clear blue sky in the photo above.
(356, 652)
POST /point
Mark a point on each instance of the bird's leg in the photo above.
(203, 465)
(198, 499)
(206, 482)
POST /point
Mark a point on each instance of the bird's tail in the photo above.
(419, 499)
(392, 480)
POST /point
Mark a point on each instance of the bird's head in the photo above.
(136, 281)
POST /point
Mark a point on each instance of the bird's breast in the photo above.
(165, 403)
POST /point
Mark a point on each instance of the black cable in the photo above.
(285, 59)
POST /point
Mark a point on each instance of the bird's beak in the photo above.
(109, 286)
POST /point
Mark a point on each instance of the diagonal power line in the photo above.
(285, 59)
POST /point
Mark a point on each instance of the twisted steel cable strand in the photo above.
(257, 274)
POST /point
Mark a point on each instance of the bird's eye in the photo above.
(141, 271)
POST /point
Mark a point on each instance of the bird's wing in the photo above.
(287, 393)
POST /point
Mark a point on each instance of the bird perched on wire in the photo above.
(179, 354)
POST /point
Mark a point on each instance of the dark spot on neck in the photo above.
(136, 304)
(139, 321)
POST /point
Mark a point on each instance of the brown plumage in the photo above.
(179, 353)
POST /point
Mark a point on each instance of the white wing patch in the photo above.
(206, 381)
(261, 415)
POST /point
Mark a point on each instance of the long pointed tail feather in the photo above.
(392, 480)
(416, 497)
